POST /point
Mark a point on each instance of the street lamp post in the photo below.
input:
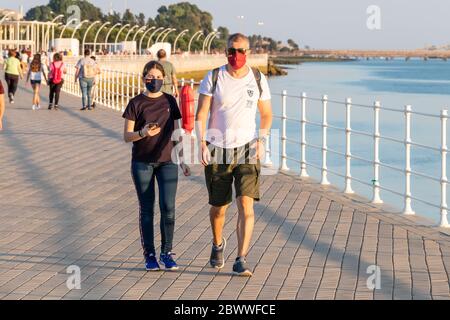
(207, 39)
(129, 32)
(143, 36)
(65, 26)
(210, 42)
(78, 27)
(53, 26)
(199, 34)
(177, 38)
(98, 32)
(118, 34)
(151, 36)
(86, 33)
(141, 29)
(109, 32)
(162, 32)
(165, 36)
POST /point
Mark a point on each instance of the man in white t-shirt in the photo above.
(232, 146)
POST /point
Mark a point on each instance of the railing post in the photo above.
(268, 161)
(444, 221)
(284, 166)
(407, 208)
(348, 154)
(376, 154)
(133, 82)
(192, 83)
(182, 82)
(122, 90)
(108, 94)
(303, 172)
(138, 79)
(324, 180)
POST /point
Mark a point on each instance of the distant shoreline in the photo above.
(286, 60)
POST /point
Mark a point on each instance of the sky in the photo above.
(321, 24)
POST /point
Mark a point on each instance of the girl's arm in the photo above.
(129, 135)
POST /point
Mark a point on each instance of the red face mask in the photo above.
(237, 60)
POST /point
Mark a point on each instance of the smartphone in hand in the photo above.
(152, 125)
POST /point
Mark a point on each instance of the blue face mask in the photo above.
(154, 85)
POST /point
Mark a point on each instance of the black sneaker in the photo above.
(50, 106)
(84, 108)
(90, 108)
(216, 260)
(240, 268)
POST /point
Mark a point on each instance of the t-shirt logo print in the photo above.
(250, 93)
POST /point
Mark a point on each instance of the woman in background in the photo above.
(35, 73)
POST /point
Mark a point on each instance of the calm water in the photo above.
(425, 85)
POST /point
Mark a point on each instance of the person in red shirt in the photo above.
(2, 104)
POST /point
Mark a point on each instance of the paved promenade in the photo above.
(67, 198)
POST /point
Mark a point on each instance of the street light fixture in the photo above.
(143, 36)
(151, 36)
(129, 32)
(165, 36)
(118, 34)
(207, 39)
(110, 30)
(162, 32)
(199, 34)
(98, 32)
(177, 38)
(86, 33)
(78, 27)
(65, 26)
(217, 34)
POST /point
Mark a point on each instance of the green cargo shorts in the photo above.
(221, 176)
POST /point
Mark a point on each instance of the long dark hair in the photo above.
(36, 63)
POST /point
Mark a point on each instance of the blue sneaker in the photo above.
(151, 264)
(167, 260)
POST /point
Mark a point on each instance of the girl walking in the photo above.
(56, 80)
(150, 120)
(35, 73)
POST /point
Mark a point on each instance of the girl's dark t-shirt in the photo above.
(162, 110)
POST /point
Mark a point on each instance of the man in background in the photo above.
(170, 85)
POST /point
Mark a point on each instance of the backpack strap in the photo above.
(257, 75)
(215, 77)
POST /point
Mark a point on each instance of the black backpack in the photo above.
(215, 77)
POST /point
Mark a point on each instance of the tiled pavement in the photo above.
(66, 198)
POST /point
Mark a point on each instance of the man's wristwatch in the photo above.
(140, 134)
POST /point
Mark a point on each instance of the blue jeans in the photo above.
(86, 85)
(144, 175)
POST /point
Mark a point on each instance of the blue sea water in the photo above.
(425, 85)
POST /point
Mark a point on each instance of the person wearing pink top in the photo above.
(56, 80)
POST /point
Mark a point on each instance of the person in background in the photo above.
(86, 71)
(2, 105)
(94, 87)
(13, 72)
(150, 121)
(56, 80)
(35, 73)
(24, 60)
(170, 81)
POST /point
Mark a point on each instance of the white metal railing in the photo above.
(375, 162)
(115, 88)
